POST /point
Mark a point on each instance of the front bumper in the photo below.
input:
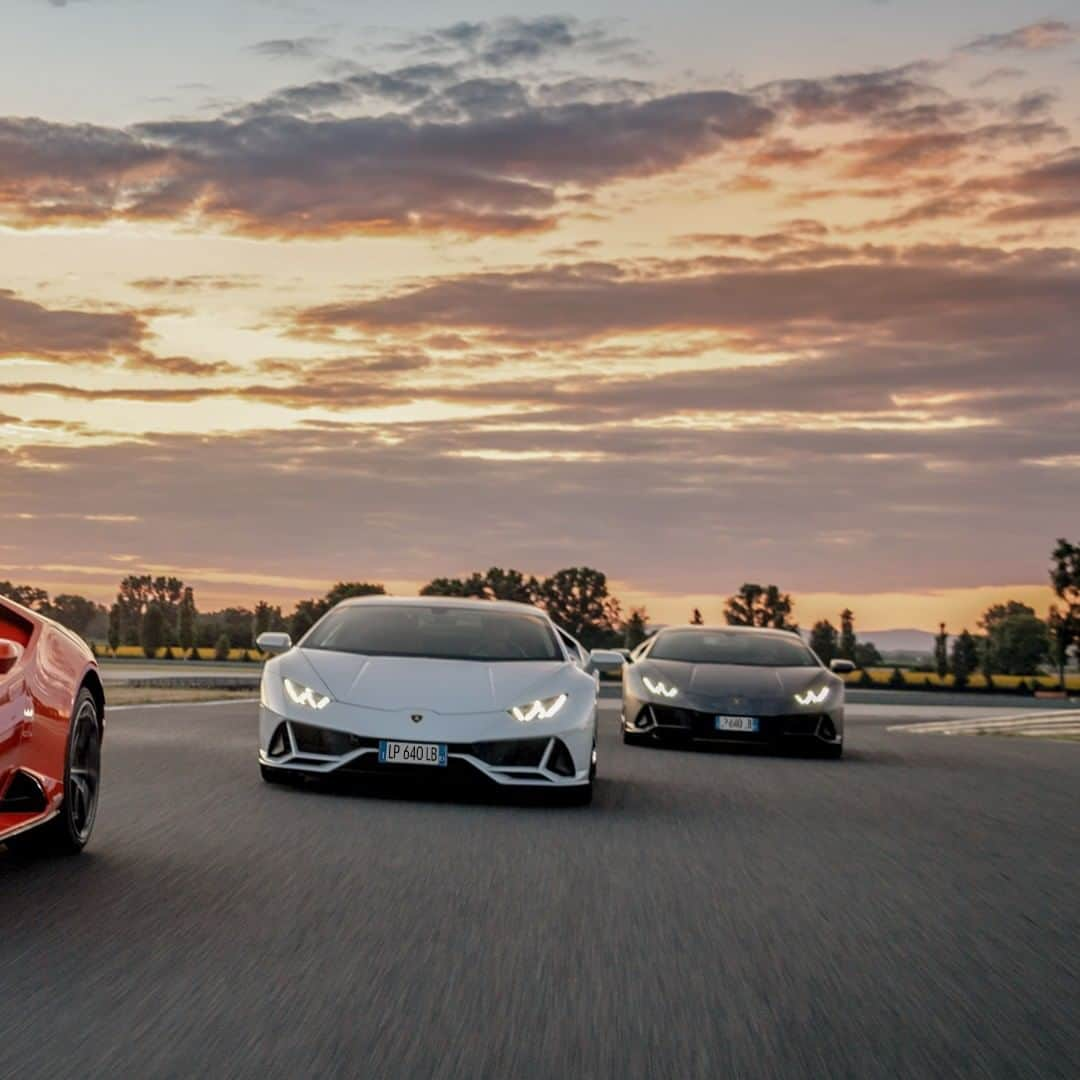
(547, 759)
(659, 722)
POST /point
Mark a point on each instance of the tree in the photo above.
(965, 658)
(1063, 633)
(1017, 641)
(139, 591)
(867, 655)
(578, 600)
(987, 661)
(848, 642)
(75, 612)
(236, 623)
(345, 590)
(472, 586)
(185, 632)
(28, 595)
(221, 648)
(116, 627)
(267, 618)
(308, 612)
(152, 631)
(760, 605)
(635, 630)
(824, 640)
(941, 652)
(494, 584)
(696, 618)
(1065, 621)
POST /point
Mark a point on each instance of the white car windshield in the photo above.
(732, 647)
(435, 633)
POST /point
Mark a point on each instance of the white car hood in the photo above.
(441, 686)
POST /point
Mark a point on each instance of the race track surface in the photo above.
(910, 911)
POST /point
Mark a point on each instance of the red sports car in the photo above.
(52, 718)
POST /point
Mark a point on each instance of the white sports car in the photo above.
(440, 688)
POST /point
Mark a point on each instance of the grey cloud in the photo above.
(68, 336)
(851, 96)
(503, 42)
(998, 74)
(285, 175)
(601, 300)
(288, 48)
(29, 328)
(1034, 37)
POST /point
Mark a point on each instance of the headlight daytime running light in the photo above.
(541, 709)
(813, 697)
(659, 687)
(304, 696)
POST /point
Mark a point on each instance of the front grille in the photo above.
(455, 771)
(503, 753)
(701, 725)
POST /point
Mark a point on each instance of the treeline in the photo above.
(159, 612)
(1014, 639)
(85, 617)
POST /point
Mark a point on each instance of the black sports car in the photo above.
(733, 684)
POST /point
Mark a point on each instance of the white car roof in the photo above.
(727, 629)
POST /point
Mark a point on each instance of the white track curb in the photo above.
(1033, 722)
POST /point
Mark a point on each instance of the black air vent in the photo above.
(23, 796)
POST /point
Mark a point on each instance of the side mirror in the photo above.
(608, 661)
(10, 653)
(842, 667)
(274, 642)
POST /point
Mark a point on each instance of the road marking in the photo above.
(179, 704)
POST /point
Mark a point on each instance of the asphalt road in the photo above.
(910, 911)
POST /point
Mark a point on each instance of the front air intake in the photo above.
(827, 729)
(279, 742)
(23, 796)
(559, 760)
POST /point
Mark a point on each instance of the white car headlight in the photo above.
(813, 697)
(304, 696)
(659, 687)
(541, 709)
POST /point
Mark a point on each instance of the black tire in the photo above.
(69, 831)
(634, 740)
(285, 777)
(833, 751)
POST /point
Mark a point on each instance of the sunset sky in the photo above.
(293, 291)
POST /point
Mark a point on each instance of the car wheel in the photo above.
(634, 740)
(68, 832)
(833, 751)
(280, 776)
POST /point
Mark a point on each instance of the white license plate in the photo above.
(737, 723)
(411, 753)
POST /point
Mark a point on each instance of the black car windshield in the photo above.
(435, 633)
(732, 647)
